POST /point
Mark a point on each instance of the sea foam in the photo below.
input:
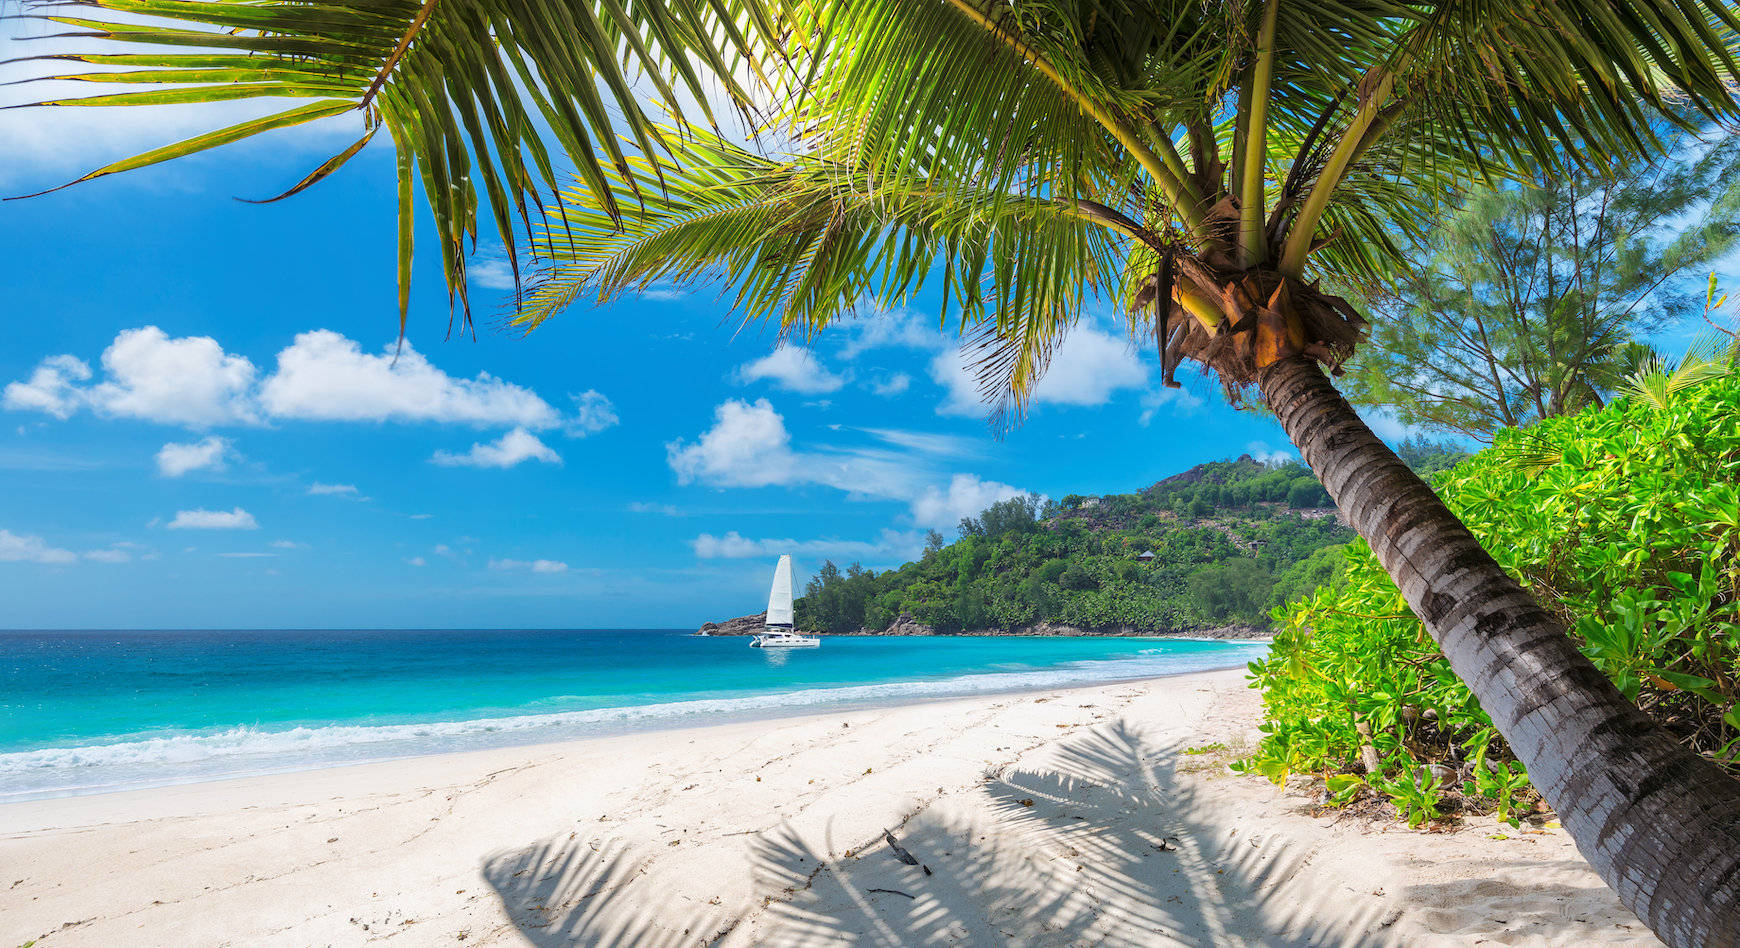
(243, 751)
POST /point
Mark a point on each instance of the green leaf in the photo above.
(326, 167)
(224, 136)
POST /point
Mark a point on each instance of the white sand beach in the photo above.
(1035, 819)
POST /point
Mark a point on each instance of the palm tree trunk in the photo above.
(1659, 823)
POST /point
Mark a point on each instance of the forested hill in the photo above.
(1230, 540)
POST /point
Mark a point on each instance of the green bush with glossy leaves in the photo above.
(1625, 521)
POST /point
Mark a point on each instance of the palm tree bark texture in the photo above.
(1659, 823)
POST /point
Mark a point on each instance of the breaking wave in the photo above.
(173, 758)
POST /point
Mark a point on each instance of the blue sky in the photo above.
(203, 425)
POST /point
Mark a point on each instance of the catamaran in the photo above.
(779, 632)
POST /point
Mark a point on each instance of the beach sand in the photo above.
(1035, 819)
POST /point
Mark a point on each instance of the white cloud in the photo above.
(734, 545)
(592, 413)
(1386, 425)
(287, 545)
(28, 549)
(151, 376)
(925, 442)
(318, 489)
(512, 448)
(891, 544)
(493, 273)
(1088, 369)
(794, 369)
(535, 566)
(51, 388)
(417, 561)
(967, 495)
(110, 555)
(323, 376)
(1183, 402)
(960, 386)
(897, 330)
(201, 519)
(246, 556)
(668, 510)
(148, 375)
(1261, 451)
(175, 458)
(187, 381)
(747, 447)
(891, 385)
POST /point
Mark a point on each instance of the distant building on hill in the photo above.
(1146, 556)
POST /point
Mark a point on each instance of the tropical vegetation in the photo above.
(1201, 165)
(1624, 521)
(1533, 301)
(1229, 540)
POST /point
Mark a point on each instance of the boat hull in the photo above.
(784, 640)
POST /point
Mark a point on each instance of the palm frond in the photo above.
(472, 92)
(1658, 381)
(1029, 155)
(803, 242)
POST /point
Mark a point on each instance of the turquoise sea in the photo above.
(87, 712)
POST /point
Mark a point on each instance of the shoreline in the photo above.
(1098, 813)
(377, 743)
(906, 627)
(463, 763)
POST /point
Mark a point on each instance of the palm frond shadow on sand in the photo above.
(1102, 847)
(1102, 844)
(572, 892)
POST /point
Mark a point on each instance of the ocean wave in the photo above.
(242, 750)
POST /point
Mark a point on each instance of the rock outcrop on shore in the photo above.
(742, 625)
(907, 625)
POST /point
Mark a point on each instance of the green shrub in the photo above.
(1302, 578)
(1076, 578)
(1233, 589)
(1306, 492)
(1624, 521)
(1022, 562)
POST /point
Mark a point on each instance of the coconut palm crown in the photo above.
(1199, 163)
(1202, 164)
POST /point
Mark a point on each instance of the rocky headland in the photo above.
(907, 625)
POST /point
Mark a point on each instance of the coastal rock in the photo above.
(906, 624)
(742, 625)
(1236, 630)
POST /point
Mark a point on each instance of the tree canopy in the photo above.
(1533, 301)
(1193, 162)
(1229, 544)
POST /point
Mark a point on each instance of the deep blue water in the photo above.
(83, 712)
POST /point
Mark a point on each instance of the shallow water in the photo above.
(85, 712)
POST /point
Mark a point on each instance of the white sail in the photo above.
(779, 600)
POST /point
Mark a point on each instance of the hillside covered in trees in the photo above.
(1229, 540)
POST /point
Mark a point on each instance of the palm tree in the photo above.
(1201, 163)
